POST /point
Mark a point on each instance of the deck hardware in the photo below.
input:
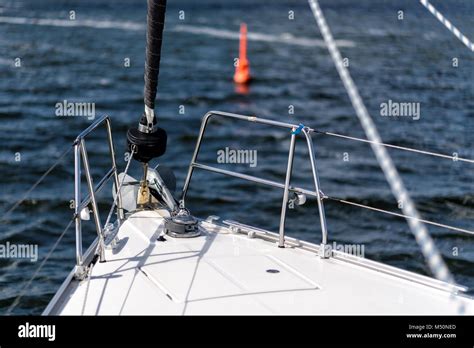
(273, 271)
(325, 251)
(296, 199)
(298, 129)
(322, 195)
(110, 235)
(161, 192)
(212, 218)
(182, 225)
(85, 214)
(80, 272)
(143, 198)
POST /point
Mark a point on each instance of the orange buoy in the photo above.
(242, 70)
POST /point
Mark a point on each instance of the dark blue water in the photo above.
(407, 61)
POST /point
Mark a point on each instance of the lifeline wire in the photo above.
(340, 200)
(404, 148)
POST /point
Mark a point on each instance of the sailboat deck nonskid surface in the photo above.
(226, 273)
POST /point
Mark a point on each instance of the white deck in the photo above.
(225, 273)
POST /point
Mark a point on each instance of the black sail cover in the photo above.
(154, 38)
(148, 145)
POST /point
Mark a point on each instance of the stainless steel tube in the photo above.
(95, 210)
(77, 202)
(322, 215)
(120, 214)
(291, 152)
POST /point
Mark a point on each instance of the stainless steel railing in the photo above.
(80, 152)
(286, 186)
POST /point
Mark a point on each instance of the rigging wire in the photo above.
(429, 250)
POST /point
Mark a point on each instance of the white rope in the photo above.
(428, 248)
(456, 32)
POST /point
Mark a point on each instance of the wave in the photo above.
(90, 23)
(286, 38)
(4, 61)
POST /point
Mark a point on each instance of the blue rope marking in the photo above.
(298, 130)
